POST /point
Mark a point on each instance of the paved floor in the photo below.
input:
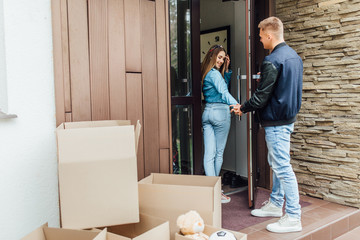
(321, 220)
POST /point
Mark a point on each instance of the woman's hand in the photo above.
(227, 62)
(236, 109)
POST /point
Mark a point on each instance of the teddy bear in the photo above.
(192, 225)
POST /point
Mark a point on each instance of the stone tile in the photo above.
(248, 230)
(263, 225)
(354, 220)
(321, 213)
(340, 227)
(352, 235)
(323, 234)
(305, 238)
(258, 235)
(339, 208)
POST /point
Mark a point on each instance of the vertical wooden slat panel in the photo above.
(168, 78)
(65, 55)
(58, 68)
(79, 60)
(162, 75)
(150, 93)
(135, 112)
(68, 117)
(99, 63)
(132, 35)
(149, 77)
(165, 160)
(117, 86)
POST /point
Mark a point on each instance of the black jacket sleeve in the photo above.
(262, 94)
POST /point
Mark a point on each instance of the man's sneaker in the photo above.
(224, 198)
(268, 210)
(285, 224)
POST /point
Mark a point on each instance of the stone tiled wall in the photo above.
(326, 142)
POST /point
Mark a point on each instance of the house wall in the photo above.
(326, 144)
(28, 165)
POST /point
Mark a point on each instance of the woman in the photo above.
(216, 117)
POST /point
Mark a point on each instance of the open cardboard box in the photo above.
(168, 196)
(208, 230)
(46, 233)
(98, 173)
(149, 228)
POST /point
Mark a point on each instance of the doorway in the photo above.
(215, 14)
(198, 18)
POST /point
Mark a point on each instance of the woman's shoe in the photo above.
(225, 199)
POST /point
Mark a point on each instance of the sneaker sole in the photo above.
(225, 201)
(266, 214)
(287, 230)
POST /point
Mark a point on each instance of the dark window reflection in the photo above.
(180, 48)
(182, 139)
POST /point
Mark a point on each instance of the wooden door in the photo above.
(264, 9)
(111, 61)
(258, 167)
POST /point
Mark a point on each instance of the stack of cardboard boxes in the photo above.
(99, 191)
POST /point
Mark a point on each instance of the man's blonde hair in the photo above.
(274, 25)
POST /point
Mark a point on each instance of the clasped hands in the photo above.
(236, 109)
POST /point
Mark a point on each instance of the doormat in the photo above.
(236, 214)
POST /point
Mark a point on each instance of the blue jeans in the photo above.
(284, 179)
(216, 126)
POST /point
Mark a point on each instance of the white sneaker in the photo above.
(285, 224)
(268, 210)
(225, 199)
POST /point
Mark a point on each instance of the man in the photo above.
(276, 102)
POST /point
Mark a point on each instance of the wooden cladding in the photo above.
(132, 35)
(111, 62)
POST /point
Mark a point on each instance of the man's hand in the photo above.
(236, 109)
(258, 80)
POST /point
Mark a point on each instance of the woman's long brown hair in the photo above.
(210, 61)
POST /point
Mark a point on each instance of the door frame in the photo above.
(196, 76)
(195, 99)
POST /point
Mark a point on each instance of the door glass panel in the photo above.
(182, 139)
(180, 47)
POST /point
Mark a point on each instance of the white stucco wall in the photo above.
(28, 163)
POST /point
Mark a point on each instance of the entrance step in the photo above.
(320, 220)
(351, 235)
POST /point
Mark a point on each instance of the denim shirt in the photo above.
(215, 89)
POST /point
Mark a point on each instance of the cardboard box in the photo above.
(149, 228)
(97, 173)
(208, 230)
(46, 233)
(168, 196)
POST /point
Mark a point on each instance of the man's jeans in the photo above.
(284, 179)
(216, 126)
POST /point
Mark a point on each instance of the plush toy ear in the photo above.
(180, 221)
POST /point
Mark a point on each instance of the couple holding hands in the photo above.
(276, 102)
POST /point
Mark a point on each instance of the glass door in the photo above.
(185, 87)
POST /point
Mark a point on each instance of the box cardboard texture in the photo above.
(208, 230)
(46, 233)
(168, 196)
(97, 173)
(149, 228)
